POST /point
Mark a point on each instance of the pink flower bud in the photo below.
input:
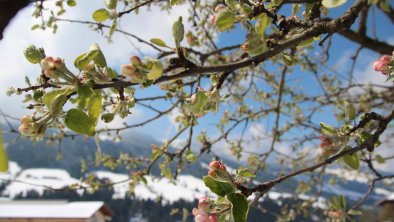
(47, 63)
(127, 70)
(195, 212)
(58, 63)
(385, 59)
(219, 7)
(213, 218)
(377, 65)
(26, 119)
(213, 19)
(222, 168)
(193, 98)
(212, 173)
(201, 218)
(26, 129)
(215, 165)
(135, 60)
(203, 200)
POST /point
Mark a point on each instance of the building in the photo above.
(54, 211)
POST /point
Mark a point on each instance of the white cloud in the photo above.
(73, 39)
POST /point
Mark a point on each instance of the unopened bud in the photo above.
(135, 60)
(215, 165)
(212, 173)
(127, 70)
(47, 63)
(26, 119)
(219, 7)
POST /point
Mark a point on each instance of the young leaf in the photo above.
(261, 24)
(199, 103)
(156, 70)
(101, 15)
(219, 187)
(287, 59)
(49, 96)
(159, 42)
(32, 54)
(79, 122)
(111, 4)
(224, 20)
(244, 172)
(350, 111)
(98, 56)
(71, 3)
(176, 2)
(240, 207)
(178, 31)
(327, 129)
(333, 3)
(57, 104)
(3, 155)
(380, 159)
(354, 212)
(352, 161)
(107, 117)
(94, 107)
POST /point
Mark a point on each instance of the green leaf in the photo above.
(156, 70)
(385, 6)
(98, 56)
(85, 90)
(57, 104)
(352, 160)
(327, 129)
(380, 159)
(190, 156)
(231, 4)
(49, 96)
(113, 27)
(244, 172)
(94, 107)
(295, 9)
(354, 212)
(155, 153)
(111, 73)
(3, 155)
(159, 42)
(111, 4)
(100, 15)
(219, 187)
(108, 117)
(350, 111)
(79, 122)
(176, 2)
(261, 24)
(199, 103)
(178, 32)
(306, 42)
(224, 20)
(32, 54)
(333, 3)
(287, 59)
(240, 207)
(71, 3)
(338, 202)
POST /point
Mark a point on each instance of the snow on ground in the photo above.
(350, 175)
(13, 170)
(280, 197)
(39, 179)
(187, 187)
